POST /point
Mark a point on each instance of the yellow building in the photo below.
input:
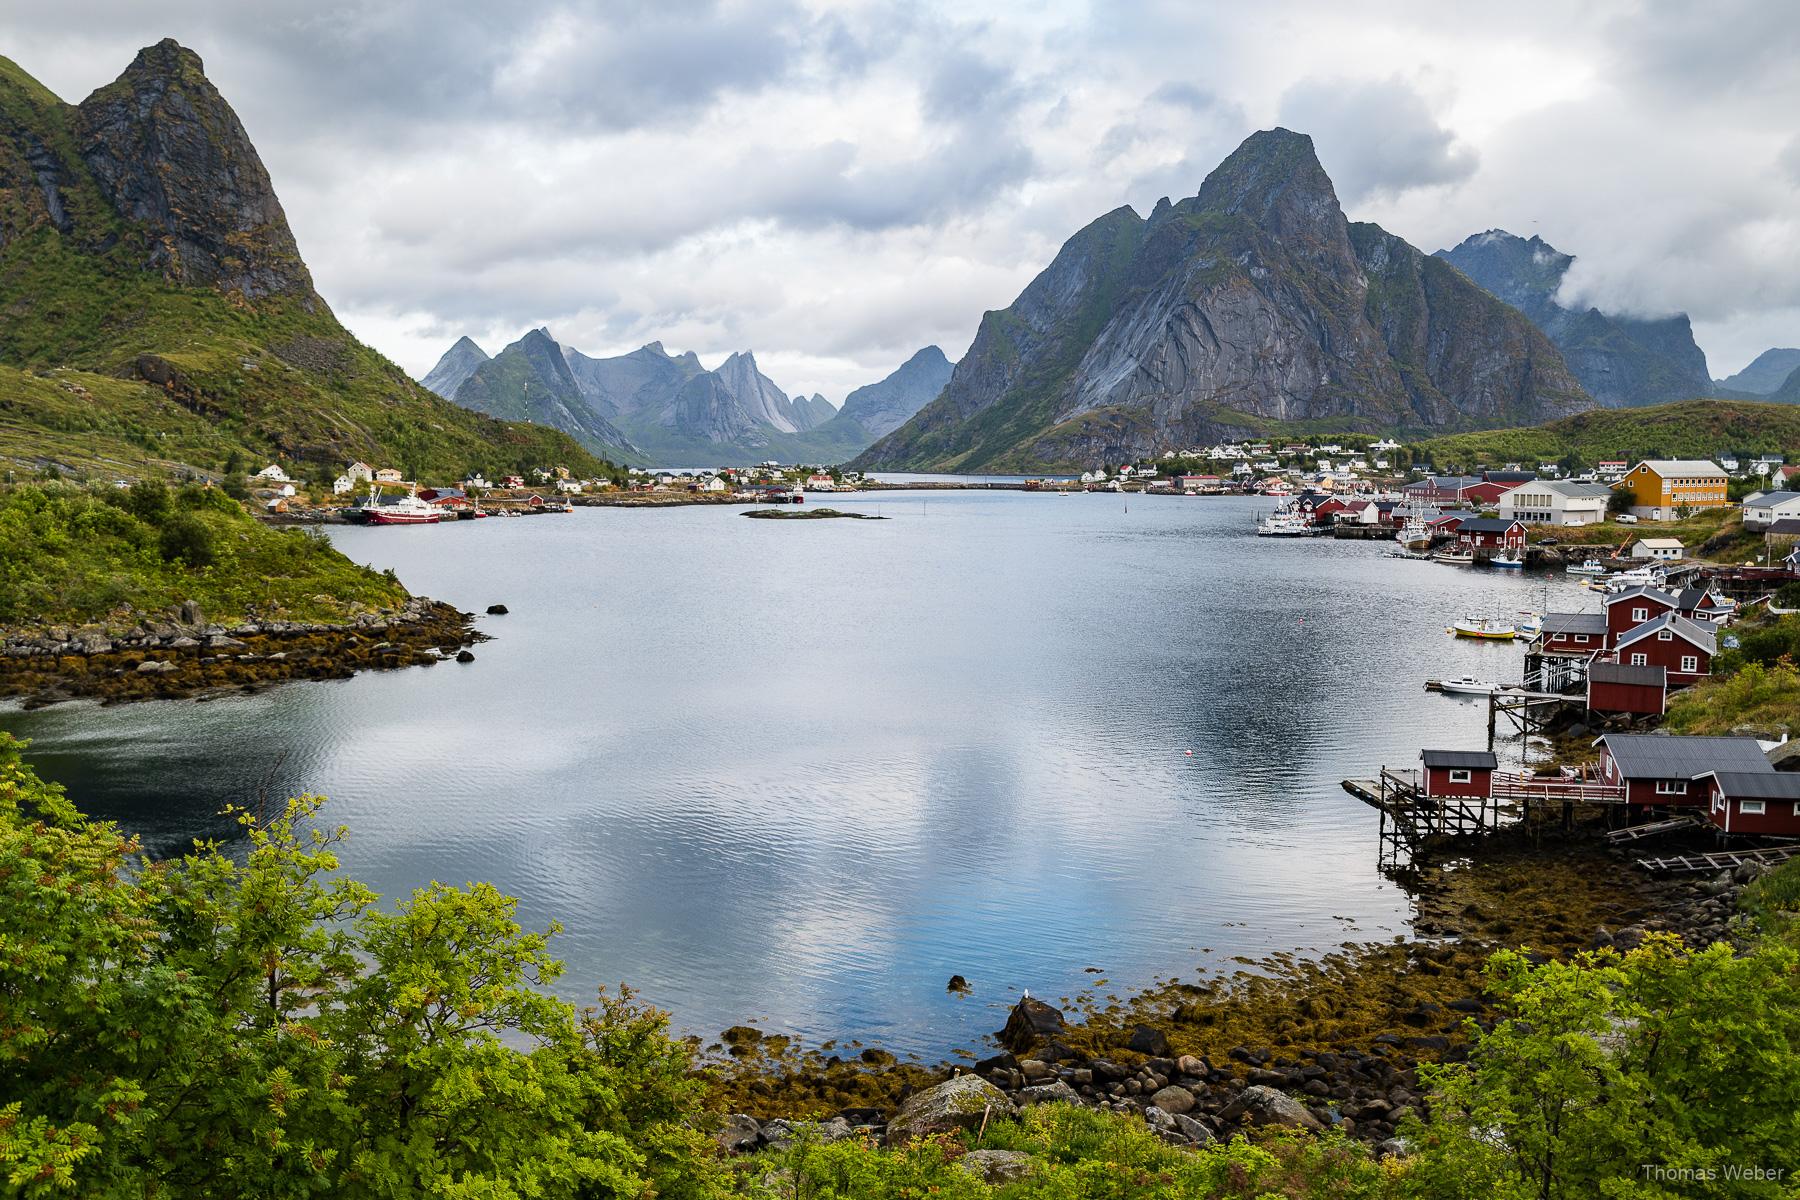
(1664, 488)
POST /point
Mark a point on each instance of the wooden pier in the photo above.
(1723, 860)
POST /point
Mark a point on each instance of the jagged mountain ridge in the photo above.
(531, 381)
(1620, 360)
(1251, 303)
(669, 409)
(884, 406)
(146, 260)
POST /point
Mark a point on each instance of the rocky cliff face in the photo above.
(1620, 360)
(1252, 302)
(882, 407)
(632, 383)
(169, 153)
(531, 381)
(1766, 375)
(458, 363)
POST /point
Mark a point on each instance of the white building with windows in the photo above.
(1555, 502)
(273, 473)
(1765, 508)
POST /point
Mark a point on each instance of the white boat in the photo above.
(1454, 557)
(1511, 561)
(1636, 577)
(1466, 685)
(1414, 535)
(1283, 524)
(1592, 566)
(407, 510)
(1530, 624)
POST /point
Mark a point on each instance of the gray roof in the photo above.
(1486, 525)
(1660, 756)
(1690, 631)
(1757, 785)
(1683, 466)
(1612, 672)
(1569, 489)
(1642, 589)
(1479, 760)
(1574, 623)
(1769, 499)
(1783, 527)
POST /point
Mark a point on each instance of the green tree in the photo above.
(187, 539)
(1623, 1076)
(1619, 502)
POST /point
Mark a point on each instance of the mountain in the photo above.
(159, 314)
(1683, 429)
(1620, 360)
(1765, 376)
(457, 364)
(880, 408)
(653, 406)
(1251, 304)
(531, 381)
(1789, 391)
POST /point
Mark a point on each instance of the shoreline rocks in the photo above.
(181, 653)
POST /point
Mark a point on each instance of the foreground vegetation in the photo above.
(72, 555)
(245, 1021)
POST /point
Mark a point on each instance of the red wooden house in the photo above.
(1490, 533)
(1447, 524)
(1698, 603)
(1458, 772)
(1658, 771)
(1572, 633)
(1758, 803)
(1614, 688)
(1682, 648)
(1630, 608)
(1486, 494)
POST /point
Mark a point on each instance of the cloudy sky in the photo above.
(836, 184)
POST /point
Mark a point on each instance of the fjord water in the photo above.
(800, 773)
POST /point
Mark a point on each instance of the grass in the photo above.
(1685, 429)
(75, 556)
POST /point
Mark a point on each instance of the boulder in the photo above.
(1147, 1039)
(497, 610)
(1195, 1132)
(1030, 1022)
(1173, 1099)
(1187, 1064)
(779, 1134)
(998, 1166)
(463, 656)
(959, 1103)
(190, 613)
(1050, 1093)
(1260, 1105)
(737, 1134)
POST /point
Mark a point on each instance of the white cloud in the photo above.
(837, 183)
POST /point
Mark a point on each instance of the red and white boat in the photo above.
(408, 510)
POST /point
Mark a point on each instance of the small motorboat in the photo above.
(1484, 629)
(1530, 624)
(1511, 561)
(1459, 558)
(1592, 566)
(1466, 685)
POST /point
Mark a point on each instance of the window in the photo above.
(1640, 614)
(1639, 660)
(1581, 639)
(1671, 787)
(1690, 663)
(1459, 776)
(1663, 635)
(1751, 808)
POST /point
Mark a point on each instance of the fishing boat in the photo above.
(1454, 557)
(407, 510)
(1466, 685)
(1490, 629)
(1414, 535)
(1511, 560)
(1592, 566)
(1530, 625)
(1283, 522)
(1636, 577)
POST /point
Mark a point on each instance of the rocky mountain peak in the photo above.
(169, 153)
(1274, 178)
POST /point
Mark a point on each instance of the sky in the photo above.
(834, 185)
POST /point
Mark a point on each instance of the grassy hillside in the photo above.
(69, 555)
(1686, 429)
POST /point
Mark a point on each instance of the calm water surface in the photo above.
(800, 773)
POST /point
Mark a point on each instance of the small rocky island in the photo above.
(810, 514)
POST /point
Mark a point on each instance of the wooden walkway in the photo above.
(1632, 833)
(1724, 860)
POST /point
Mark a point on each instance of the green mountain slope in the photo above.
(141, 243)
(1686, 429)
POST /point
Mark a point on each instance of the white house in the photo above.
(1555, 502)
(287, 489)
(1663, 548)
(476, 481)
(342, 484)
(713, 484)
(389, 475)
(273, 473)
(359, 472)
(819, 481)
(1765, 508)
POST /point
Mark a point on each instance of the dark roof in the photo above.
(1485, 525)
(1659, 756)
(1574, 623)
(1758, 785)
(1693, 597)
(1479, 760)
(1785, 527)
(1689, 631)
(1612, 672)
(1642, 589)
(1509, 476)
